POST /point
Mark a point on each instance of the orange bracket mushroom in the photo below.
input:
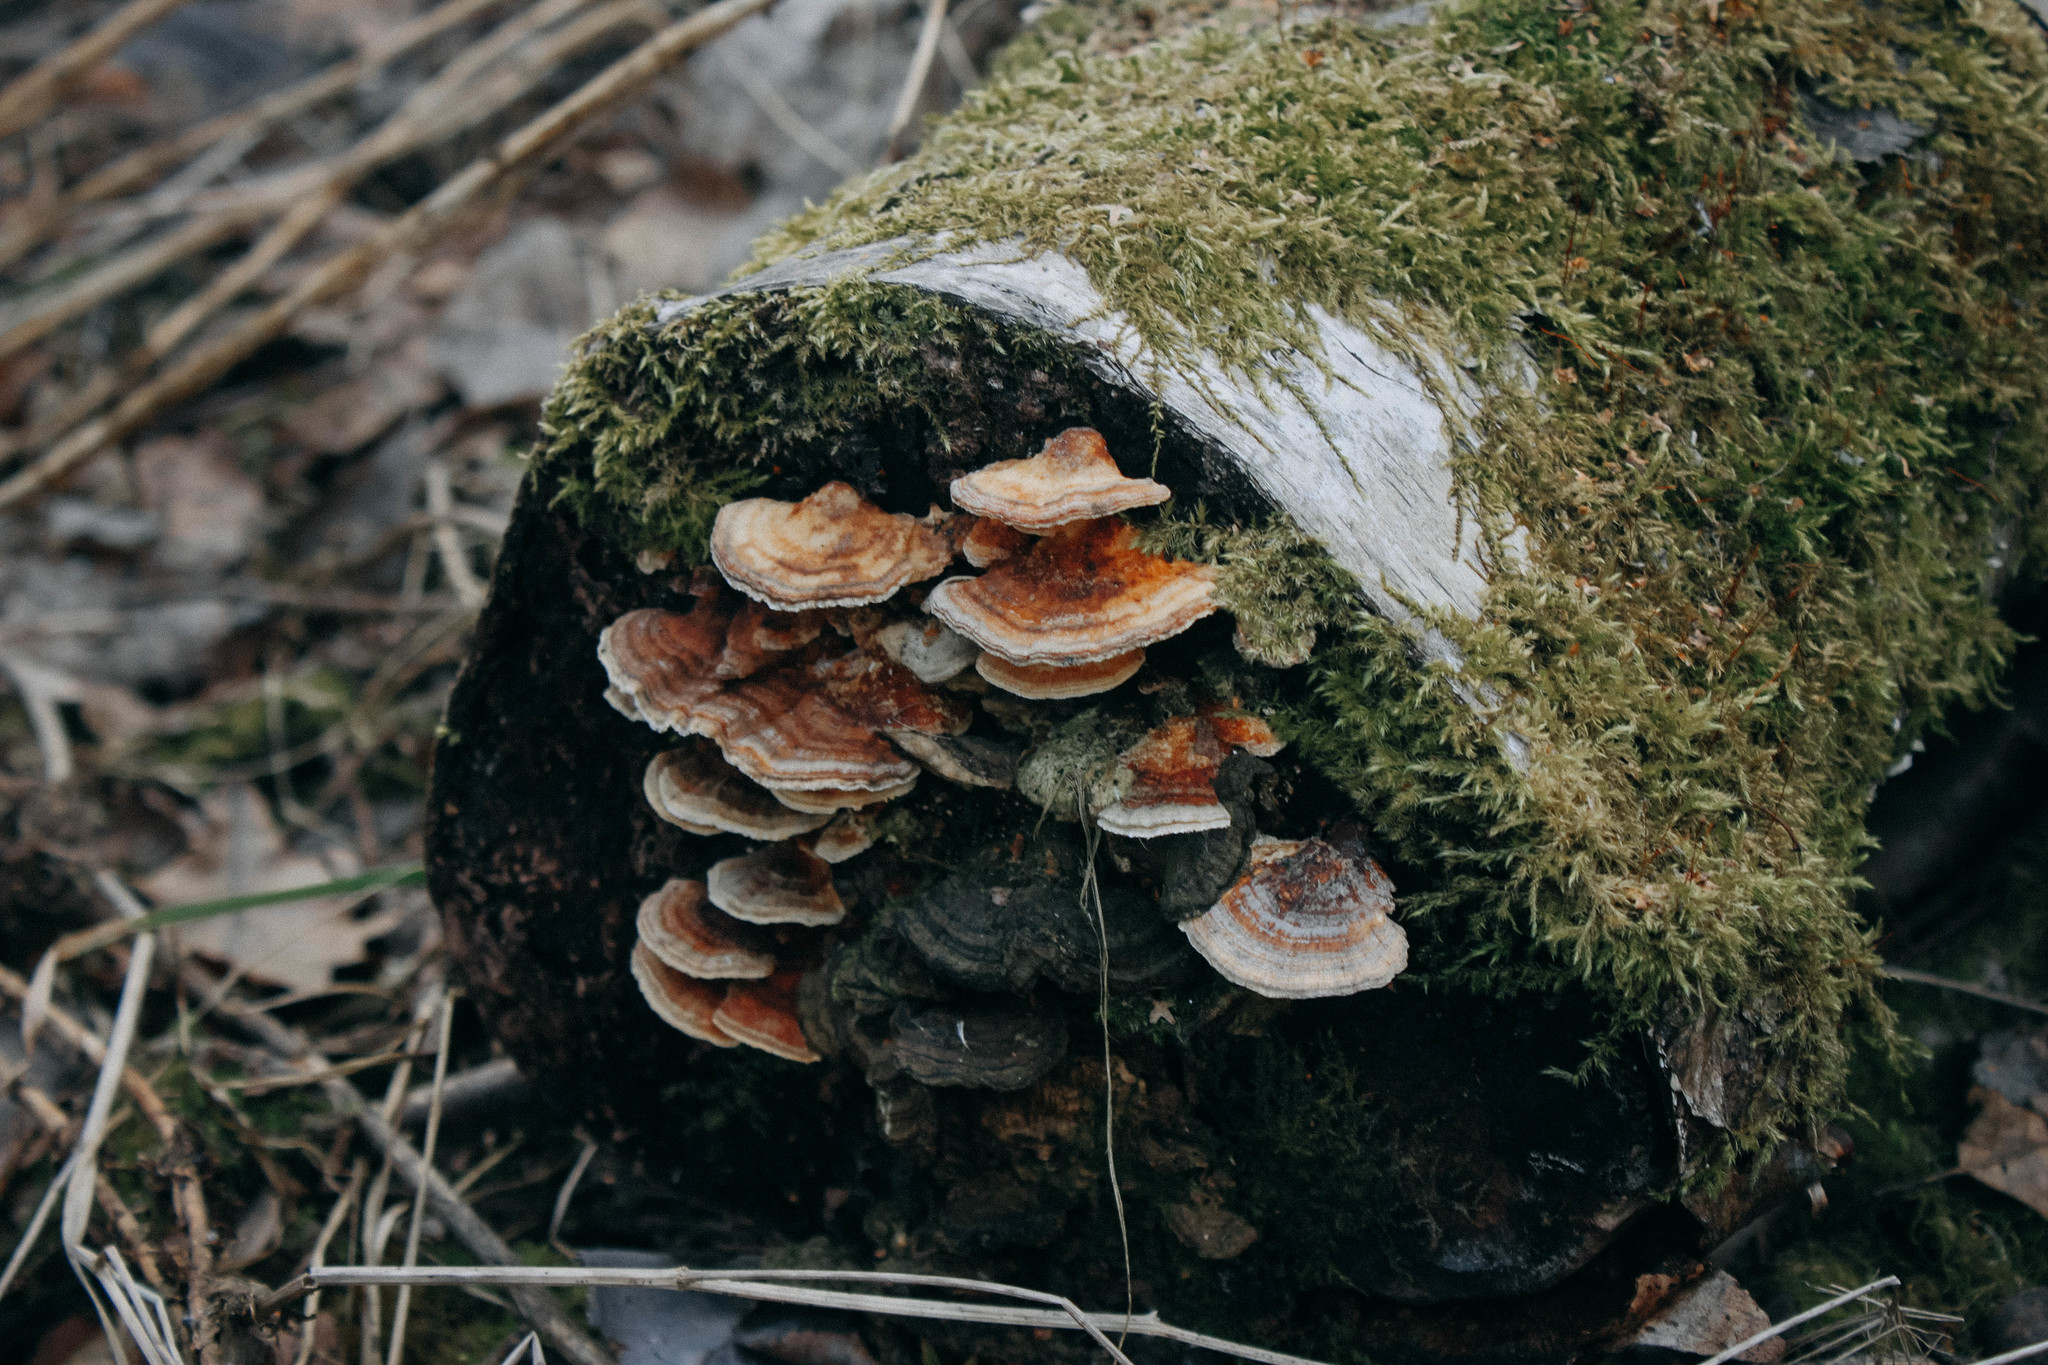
(678, 927)
(1172, 791)
(1082, 595)
(1305, 920)
(1073, 478)
(683, 1002)
(833, 549)
(781, 883)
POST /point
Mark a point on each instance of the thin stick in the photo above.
(36, 91)
(568, 1193)
(774, 1286)
(920, 71)
(448, 545)
(444, 105)
(336, 1216)
(41, 313)
(782, 113)
(345, 270)
(79, 1190)
(1779, 1329)
(1091, 887)
(2018, 1002)
(538, 1308)
(419, 1203)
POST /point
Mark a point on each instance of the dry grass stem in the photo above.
(243, 126)
(920, 71)
(36, 91)
(421, 223)
(2018, 1002)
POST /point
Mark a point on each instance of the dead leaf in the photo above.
(1705, 1318)
(236, 849)
(351, 415)
(208, 508)
(2006, 1147)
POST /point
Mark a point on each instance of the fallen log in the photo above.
(1325, 601)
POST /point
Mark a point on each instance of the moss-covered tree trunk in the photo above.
(1606, 474)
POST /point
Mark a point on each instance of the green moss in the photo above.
(1785, 435)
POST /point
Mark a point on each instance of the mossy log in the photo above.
(1605, 475)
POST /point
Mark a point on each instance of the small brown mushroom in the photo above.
(1052, 682)
(778, 731)
(683, 1002)
(781, 883)
(833, 549)
(988, 542)
(1305, 920)
(1083, 594)
(677, 926)
(659, 662)
(851, 833)
(1172, 789)
(1072, 479)
(698, 790)
(763, 1014)
(758, 637)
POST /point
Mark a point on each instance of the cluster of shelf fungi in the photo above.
(820, 674)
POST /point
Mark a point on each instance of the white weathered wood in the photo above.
(1355, 448)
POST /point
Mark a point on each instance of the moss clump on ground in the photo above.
(1783, 440)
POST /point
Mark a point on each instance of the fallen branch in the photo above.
(2018, 1002)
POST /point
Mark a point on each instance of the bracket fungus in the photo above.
(833, 549)
(1083, 594)
(988, 542)
(677, 926)
(683, 1002)
(1307, 919)
(696, 789)
(763, 1014)
(1057, 682)
(781, 883)
(1074, 478)
(1173, 783)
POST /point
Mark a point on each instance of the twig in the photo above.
(568, 1193)
(419, 1203)
(37, 315)
(417, 225)
(448, 545)
(2018, 1002)
(792, 1286)
(1780, 1328)
(781, 113)
(79, 1190)
(138, 167)
(40, 689)
(472, 1232)
(36, 91)
(336, 1216)
(920, 71)
(1091, 888)
(442, 107)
